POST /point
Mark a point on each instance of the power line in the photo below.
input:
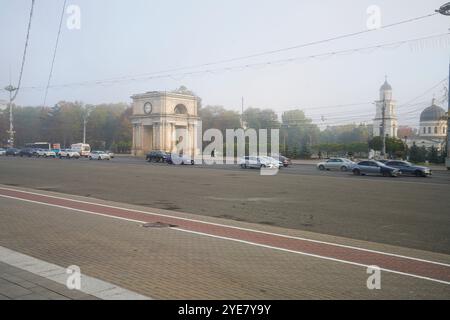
(282, 49)
(54, 52)
(246, 66)
(24, 51)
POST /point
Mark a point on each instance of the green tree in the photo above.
(433, 155)
(417, 154)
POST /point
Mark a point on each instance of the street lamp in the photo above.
(11, 132)
(445, 10)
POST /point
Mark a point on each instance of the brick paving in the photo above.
(167, 264)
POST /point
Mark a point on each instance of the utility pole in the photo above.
(383, 131)
(86, 113)
(447, 159)
(242, 113)
(445, 10)
(11, 131)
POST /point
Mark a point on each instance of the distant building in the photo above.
(432, 128)
(156, 118)
(390, 117)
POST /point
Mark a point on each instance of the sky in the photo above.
(125, 39)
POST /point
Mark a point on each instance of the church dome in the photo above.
(432, 113)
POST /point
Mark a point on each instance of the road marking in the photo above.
(313, 255)
(89, 285)
(422, 268)
(207, 223)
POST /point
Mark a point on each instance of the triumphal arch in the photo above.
(162, 119)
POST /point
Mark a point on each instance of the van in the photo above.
(82, 148)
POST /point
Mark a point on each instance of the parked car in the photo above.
(99, 155)
(45, 153)
(27, 152)
(2, 152)
(258, 162)
(374, 167)
(342, 164)
(406, 167)
(111, 154)
(157, 156)
(69, 154)
(179, 159)
(12, 152)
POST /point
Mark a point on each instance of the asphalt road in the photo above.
(406, 211)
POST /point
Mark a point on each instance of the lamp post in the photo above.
(11, 132)
(445, 10)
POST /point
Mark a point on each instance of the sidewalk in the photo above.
(17, 284)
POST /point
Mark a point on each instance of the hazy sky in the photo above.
(126, 38)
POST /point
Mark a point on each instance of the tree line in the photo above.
(109, 127)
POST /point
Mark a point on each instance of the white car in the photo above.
(69, 154)
(2, 152)
(341, 164)
(111, 154)
(180, 159)
(45, 153)
(99, 155)
(258, 162)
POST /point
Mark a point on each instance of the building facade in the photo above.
(390, 117)
(161, 120)
(432, 128)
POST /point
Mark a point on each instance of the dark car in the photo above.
(374, 167)
(27, 152)
(406, 167)
(12, 152)
(157, 156)
(285, 161)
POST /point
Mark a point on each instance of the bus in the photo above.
(82, 148)
(39, 145)
(56, 147)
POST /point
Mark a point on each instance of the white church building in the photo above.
(432, 127)
(386, 101)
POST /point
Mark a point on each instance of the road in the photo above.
(407, 211)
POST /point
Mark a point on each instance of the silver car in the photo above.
(375, 167)
(341, 164)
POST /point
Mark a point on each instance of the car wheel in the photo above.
(344, 168)
(419, 173)
(386, 174)
(357, 172)
(90, 158)
(321, 168)
(192, 162)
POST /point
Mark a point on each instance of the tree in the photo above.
(394, 146)
(218, 117)
(261, 119)
(417, 154)
(433, 155)
(298, 131)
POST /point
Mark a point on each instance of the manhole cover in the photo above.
(158, 225)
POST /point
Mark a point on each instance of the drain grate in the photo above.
(158, 225)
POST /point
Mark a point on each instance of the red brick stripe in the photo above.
(352, 255)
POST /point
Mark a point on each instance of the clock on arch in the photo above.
(148, 108)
